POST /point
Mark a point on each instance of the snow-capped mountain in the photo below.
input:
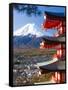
(28, 36)
(30, 29)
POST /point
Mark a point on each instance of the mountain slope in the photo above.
(26, 42)
(28, 36)
(30, 29)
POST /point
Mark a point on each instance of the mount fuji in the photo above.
(30, 29)
(28, 36)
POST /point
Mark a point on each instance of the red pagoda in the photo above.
(56, 21)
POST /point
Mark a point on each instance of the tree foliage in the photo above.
(28, 9)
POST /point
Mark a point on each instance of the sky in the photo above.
(20, 19)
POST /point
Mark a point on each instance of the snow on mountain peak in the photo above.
(29, 29)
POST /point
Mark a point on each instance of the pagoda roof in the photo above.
(57, 14)
(54, 39)
(57, 66)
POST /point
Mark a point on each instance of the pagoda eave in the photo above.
(57, 66)
(54, 39)
(57, 15)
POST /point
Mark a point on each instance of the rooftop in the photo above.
(55, 39)
(55, 14)
(59, 65)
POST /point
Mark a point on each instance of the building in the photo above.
(56, 21)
